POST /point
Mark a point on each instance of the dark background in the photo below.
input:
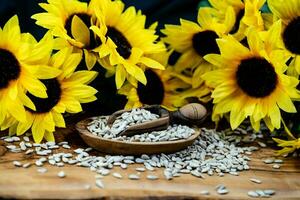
(164, 11)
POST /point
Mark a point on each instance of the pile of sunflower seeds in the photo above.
(100, 128)
(210, 154)
(213, 153)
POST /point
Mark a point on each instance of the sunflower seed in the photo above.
(204, 192)
(27, 144)
(269, 161)
(66, 146)
(140, 169)
(26, 165)
(260, 192)
(38, 163)
(17, 163)
(61, 174)
(22, 146)
(196, 173)
(8, 140)
(26, 139)
(62, 143)
(117, 175)
(29, 151)
(254, 180)
(269, 192)
(15, 139)
(99, 183)
(278, 161)
(51, 162)
(105, 172)
(133, 177)
(276, 166)
(42, 170)
(152, 177)
(78, 151)
(11, 147)
(223, 191)
(253, 194)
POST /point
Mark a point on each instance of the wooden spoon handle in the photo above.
(190, 114)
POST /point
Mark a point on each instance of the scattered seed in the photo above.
(38, 163)
(99, 183)
(61, 174)
(17, 163)
(42, 170)
(29, 151)
(26, 139)
(66, 146)
(26, 165)
(269, 161)
(133, 177)
(253, 194)
(223, 191)
(269, 192)
(254, 180)
(204, 192)
(234, 173)
(140, 169)
(152, 177)
(117, 175)
(276, 166)
(278, 161)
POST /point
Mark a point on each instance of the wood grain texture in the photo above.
(28, 184)
(131, 148)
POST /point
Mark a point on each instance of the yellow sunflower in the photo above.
(70, 22)
(22, 63)
(164, 87)
(195, 40)
(247, 14)
(65, 92)
(128, 42)
(250, 82)
(289, 13)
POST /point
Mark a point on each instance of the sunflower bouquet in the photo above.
(243, 61)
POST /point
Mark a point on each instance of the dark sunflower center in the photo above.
(256, 77)
(238, 19)
(94, 41)
(123, 45)
(54, 94)
(153, 92)
(9, 68)
(205, 43)
(291, 36)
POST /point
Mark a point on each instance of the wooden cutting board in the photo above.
(29, 184)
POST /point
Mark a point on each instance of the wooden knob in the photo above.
(193, 111)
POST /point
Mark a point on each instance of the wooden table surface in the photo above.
(29, 184)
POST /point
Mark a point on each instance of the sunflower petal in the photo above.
(79, 31)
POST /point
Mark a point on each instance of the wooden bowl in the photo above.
(131, 148)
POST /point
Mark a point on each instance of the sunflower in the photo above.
(65, 92)
(165, 84)
(250, 82)
(69, 21)
(128, 42)
(246, 14)
(289, 13)
(22, 63)
(195, 40)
